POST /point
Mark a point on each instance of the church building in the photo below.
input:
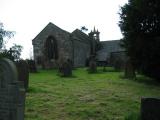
(54, 43)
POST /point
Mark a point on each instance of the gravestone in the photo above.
(12, 92)
(23, 72)
(150, 109)
(129, 70)
(65, 67)
(92, 65)
(32, 66)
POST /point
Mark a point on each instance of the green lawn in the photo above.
(100, 96)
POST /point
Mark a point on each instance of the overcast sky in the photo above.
(28, 17)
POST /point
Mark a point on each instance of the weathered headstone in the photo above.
(12, 92)
(65, 67)
(32, 66)
(129, 70)
(150, 109)
(23, 72)
(92, 65)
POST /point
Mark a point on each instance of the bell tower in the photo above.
(95, 39)
(96, 35)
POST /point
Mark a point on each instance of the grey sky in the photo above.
(29, 17)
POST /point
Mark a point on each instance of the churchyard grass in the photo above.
(99, 96)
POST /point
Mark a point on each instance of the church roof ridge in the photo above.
(78, 30)
(79, 34)
(110, 40)
(53, 25)
(50, 24)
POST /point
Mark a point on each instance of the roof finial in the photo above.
(94, 29)
(97, 30)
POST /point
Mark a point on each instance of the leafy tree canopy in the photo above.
(140, 26)
(4, 33)
(15, 51)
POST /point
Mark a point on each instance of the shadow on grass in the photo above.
(72, 76)
(62, 76)
(133, 116)
(147, 80)
(111, 70)
(36, 90)
(143, 79)
(101, 70)
(96, 72)
(108, 69)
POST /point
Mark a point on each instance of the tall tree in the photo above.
(15, 51)
(4, 33)
(140, 26)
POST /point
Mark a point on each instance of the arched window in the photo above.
(51, 48)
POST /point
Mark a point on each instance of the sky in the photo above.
(28, 17)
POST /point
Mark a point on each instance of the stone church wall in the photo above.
(75, 46)
(81, 53)
(63, 44)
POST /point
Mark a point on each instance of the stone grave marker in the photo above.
(65, 67)
(92, 65)
(12, 92)
(32, 66)
(23, 72)
(150, 109)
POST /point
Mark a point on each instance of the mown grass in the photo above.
(101, 96)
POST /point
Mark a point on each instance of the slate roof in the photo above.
(107, 48)
(50, 27)
(79, 35)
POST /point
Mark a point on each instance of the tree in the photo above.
(140, 26)
(4, 33)
(5, 53)
(15, 51)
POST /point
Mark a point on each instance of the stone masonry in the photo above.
(54, 43)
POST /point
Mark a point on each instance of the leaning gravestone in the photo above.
(150, 109)
(12, 92)
(23, 72)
